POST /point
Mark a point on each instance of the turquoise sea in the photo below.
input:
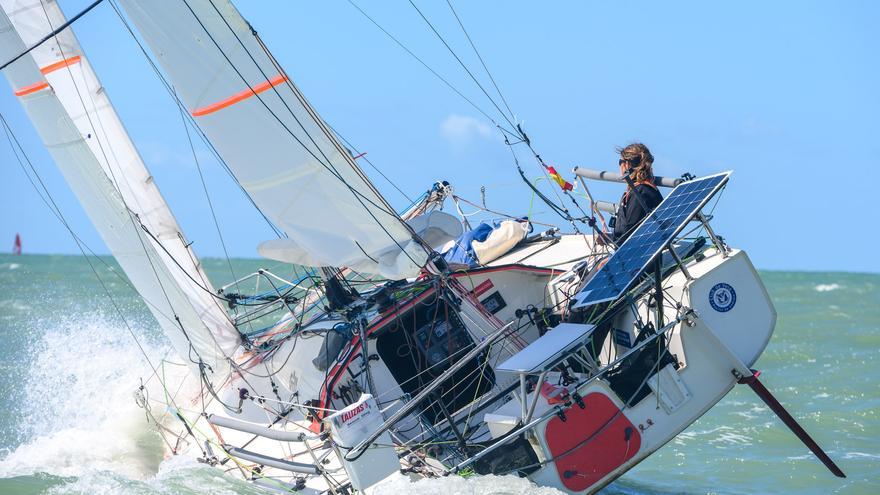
(69, 422)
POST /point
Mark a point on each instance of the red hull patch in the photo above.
(598, 437)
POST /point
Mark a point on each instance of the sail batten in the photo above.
(277, 147)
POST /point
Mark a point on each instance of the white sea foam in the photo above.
(456, 485)
(802, 457)
(730, 438)
(79, 415)
(177, 475)
(826, 287)
(861, 455)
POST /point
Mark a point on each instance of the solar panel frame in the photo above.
(649, 226)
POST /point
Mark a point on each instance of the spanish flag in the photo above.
(564, 184)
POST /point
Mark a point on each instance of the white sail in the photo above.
(79, 126)
(279, 149)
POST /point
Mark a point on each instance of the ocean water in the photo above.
(69, 423)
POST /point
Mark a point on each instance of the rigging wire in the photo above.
(210, 146)
(113, 151)
(559, 210)
(326, 165)
(463, 65)
(325, 129)
(431, 70)
(519, 134)
(485, 67)
(522, 136)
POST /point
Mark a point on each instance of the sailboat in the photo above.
(413, 344)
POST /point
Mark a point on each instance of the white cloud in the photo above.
(460, 130)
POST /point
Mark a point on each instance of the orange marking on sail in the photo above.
(33, 88)
(232, 100)
(60, 65)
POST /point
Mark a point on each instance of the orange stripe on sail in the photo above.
(232, 100)
(33, 88)
(60, 65)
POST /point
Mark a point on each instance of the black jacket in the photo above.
(630, 211)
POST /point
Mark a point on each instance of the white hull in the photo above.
(707, 346)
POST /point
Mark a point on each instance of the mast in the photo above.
(278, 148)
(77, 123)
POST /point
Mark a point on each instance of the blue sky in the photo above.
(784, 93)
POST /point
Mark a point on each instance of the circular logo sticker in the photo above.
(722, 297)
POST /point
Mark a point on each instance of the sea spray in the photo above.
(78, 413)
(178, 475)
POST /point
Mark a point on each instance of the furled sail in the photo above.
(76, 121)
(279, 149)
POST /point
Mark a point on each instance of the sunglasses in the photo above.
(631, 161)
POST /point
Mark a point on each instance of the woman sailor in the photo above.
(640, 199)
(641, 196)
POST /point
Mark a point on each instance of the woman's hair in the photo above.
(644, 160)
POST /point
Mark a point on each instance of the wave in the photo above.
(177, 475)
(826, 287)
(77, 414)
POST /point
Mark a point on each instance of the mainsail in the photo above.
(279, 149)
(75, 119)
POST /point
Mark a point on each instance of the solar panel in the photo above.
(649, 239)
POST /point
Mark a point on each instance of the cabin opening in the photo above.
(422, 343)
